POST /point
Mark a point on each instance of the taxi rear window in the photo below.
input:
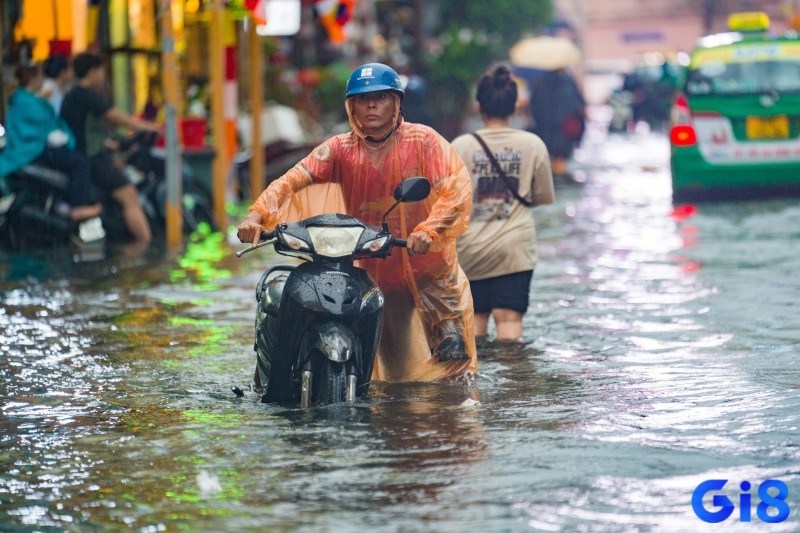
(745, 69)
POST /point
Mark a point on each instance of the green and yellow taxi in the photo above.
(736, 122)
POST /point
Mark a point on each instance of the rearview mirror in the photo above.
(409, 190)
(412, 190)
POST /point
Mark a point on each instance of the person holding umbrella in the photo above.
(558, 110)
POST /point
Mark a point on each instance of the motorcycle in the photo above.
(318, 323)
(34, 209)
(281, 156)
(146, 168)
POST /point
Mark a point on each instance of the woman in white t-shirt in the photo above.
(510, 176)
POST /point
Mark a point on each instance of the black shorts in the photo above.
(507, 292)
(106, 176)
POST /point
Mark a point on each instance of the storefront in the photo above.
(218, 52)
(125, 31)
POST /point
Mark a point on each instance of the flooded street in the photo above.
(661, 351)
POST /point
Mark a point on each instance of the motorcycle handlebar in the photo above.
(265, 237)
(400, 243)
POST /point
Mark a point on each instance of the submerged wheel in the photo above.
(329, 382)
(275, 380)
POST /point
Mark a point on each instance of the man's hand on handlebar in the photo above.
(419, 242)
(250, 230)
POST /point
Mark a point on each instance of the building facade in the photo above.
(623, 29)
(615, 35)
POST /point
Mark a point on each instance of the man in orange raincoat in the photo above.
(428, 318)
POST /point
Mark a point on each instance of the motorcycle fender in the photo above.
(334, 339)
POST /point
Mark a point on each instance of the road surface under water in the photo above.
(661, 351)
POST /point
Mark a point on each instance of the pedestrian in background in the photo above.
(511, 174)
(417, 105)
(558, 111)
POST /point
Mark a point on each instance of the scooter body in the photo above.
(321, 320)
(318, 324)
(34, 211)
(146, 167)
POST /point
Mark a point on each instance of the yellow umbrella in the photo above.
(544, 52)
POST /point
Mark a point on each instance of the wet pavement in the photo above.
(661, 351)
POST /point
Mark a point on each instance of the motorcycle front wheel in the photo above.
(328, 382)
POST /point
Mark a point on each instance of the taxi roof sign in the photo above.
(748, 21)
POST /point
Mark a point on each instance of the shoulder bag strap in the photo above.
(509, 185)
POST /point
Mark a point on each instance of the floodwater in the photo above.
(661, 351)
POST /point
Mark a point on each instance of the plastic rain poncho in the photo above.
(427, 297)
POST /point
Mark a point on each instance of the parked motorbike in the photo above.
(281, 156)
(318, 323)
(146, 168)
(34, 209)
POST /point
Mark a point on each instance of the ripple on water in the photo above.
(659, 351)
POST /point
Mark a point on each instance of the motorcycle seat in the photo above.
(49, 176)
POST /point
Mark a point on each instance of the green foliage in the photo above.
(474, 34)
(509, 18)
(331, 89)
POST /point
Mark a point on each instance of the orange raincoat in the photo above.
(425, 295)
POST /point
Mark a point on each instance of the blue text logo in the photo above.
(723, 507)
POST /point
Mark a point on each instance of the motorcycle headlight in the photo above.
(375, 244)
(335, 242)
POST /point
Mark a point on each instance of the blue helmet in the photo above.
(373, 77)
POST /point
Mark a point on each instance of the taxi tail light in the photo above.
(683, 135)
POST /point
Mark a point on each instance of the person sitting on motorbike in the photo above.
(82, 107)
(57, 78)
(35, 134)
(428, 317)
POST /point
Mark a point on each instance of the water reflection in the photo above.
(659, 351)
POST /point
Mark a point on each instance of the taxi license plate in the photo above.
(768, 127)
